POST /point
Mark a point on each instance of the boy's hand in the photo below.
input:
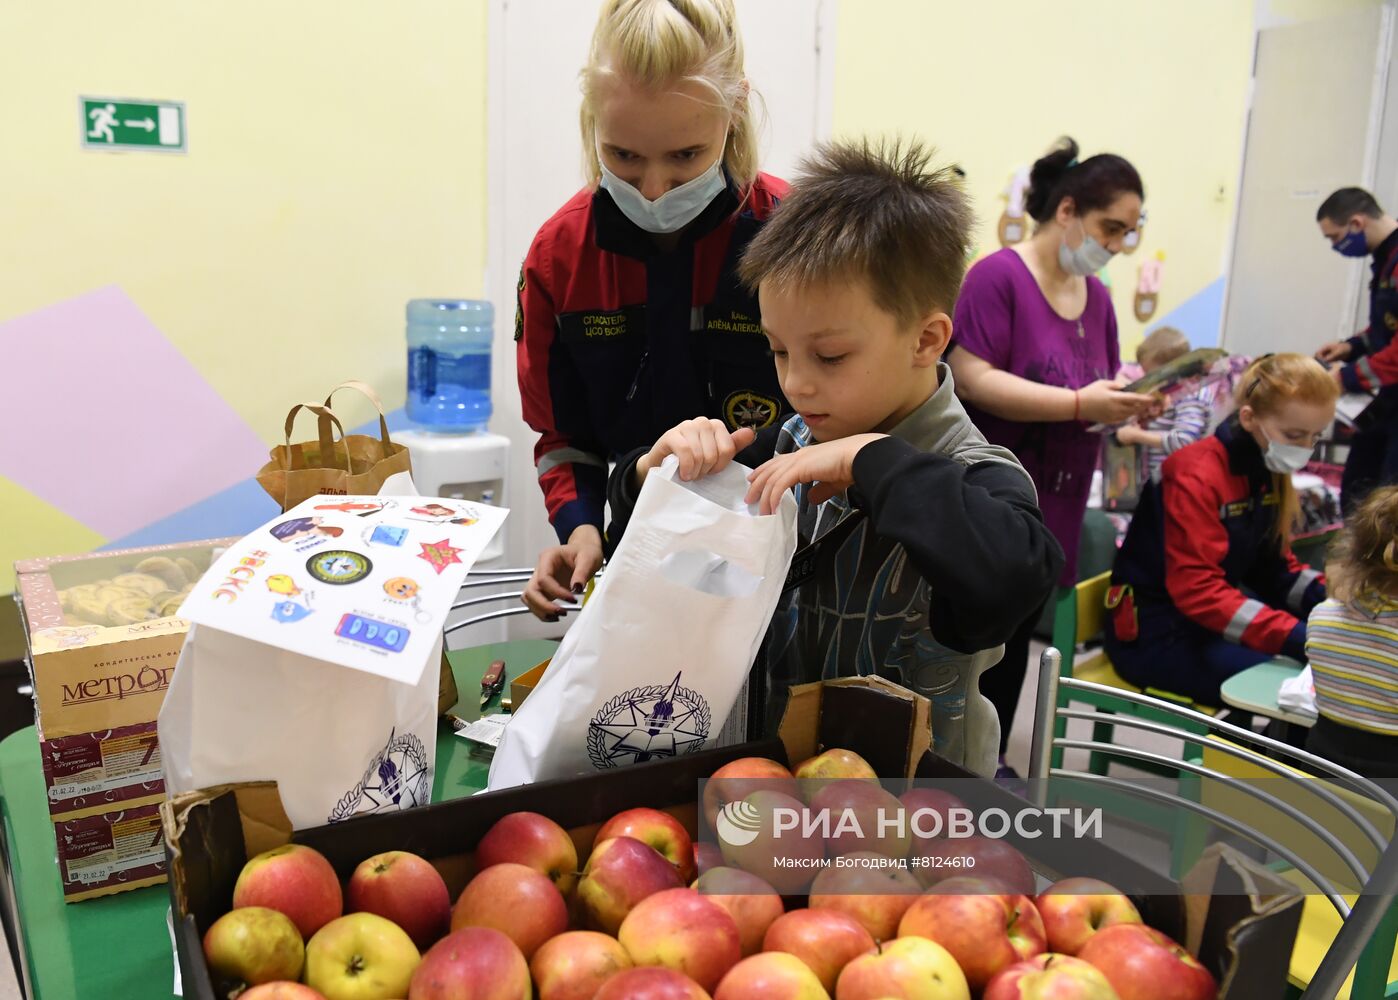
(703, 445)
(563, 572)
(830, 466)
(1131, 435)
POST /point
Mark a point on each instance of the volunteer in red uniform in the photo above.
(1205, 584)
(630, 319)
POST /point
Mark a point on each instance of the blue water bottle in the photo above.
(449, 363)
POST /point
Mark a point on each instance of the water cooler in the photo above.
(453, 454)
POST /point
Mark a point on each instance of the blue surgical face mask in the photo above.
(674, 209)
(1352, 244)
(1089, 258)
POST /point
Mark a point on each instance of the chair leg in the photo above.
(1191, 833)
(1371, 971)
(1102, 732)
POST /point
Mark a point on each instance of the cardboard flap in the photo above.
(1242, 915)
(842, 713)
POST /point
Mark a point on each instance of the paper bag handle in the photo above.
(295, 458)
(364, 389)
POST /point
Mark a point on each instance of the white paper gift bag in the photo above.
(312, 657)
(654, 663)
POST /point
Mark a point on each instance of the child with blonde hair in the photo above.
(1187, 419)
(631, 317)
(1352, 644)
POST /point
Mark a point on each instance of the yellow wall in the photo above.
(994, 83)
(336, 168)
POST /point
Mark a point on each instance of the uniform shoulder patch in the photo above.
(746, 408)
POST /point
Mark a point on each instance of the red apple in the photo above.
(867, 888)
(981, 857)
(911, 968)
(476, 963)
(834, 763)
(650, 984)
(281, 990)
(751, 902)
(360, 957)
(1143, 964)
(1050, 977)
(985, 934)
(928, 811)
(1074, 909)
(767, 835)
(659, 830)
(773, 976)
(406, 889)
(684, 931)
(295, 879)
(527, 838)
(738, 779)
(516, 900)
(861, 817)
(254, 945)
(620, 873)
(574, 966)
(706, 857)
(826, 940)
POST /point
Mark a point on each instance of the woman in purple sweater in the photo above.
(1035, 355)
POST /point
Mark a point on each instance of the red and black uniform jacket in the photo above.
(619, 341)
(1374, 351)
(1204, 542)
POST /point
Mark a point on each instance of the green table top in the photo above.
(119, 946)
(1255, 690)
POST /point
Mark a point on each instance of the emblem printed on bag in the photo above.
(397, 778)
(647, 723)
(339, 566)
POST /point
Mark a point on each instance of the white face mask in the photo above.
(1285, 458)
(1089, 258)
(674, 209)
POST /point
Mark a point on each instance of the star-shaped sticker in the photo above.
(439, 554)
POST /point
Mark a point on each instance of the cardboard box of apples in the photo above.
(594, 887)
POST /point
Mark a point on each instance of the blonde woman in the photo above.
(630, 317)
(1205, 584)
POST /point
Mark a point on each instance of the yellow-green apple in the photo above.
(832, 764)
(650, 983)
(771, 976)
(928, 811)
(738, 779)
(659, 830)
(911, 968)
(573, 966)
(985, 933)
(707, 856)
(861, 816)
(361, 956)
(770, 834)
(406, 889)
(295, 879)
(528, 838)
(981, 857)
(826, 940)
(281, 990)
(516, 900)
(475, 963)
(1074, 909)
(1050, 976)
(620, 873)
(681, 930)
(751, 902)
(254, 945)
(1141, 963)
(868, 888)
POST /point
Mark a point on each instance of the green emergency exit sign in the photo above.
(114, 123)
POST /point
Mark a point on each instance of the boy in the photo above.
(1188, 416)
(929, 546)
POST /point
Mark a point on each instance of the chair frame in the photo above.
(1367, 935)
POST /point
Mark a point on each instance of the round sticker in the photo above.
(401, 588)
(339, 566)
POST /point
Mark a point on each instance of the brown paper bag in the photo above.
(354, 464)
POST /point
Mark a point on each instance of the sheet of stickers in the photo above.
(365, 582)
